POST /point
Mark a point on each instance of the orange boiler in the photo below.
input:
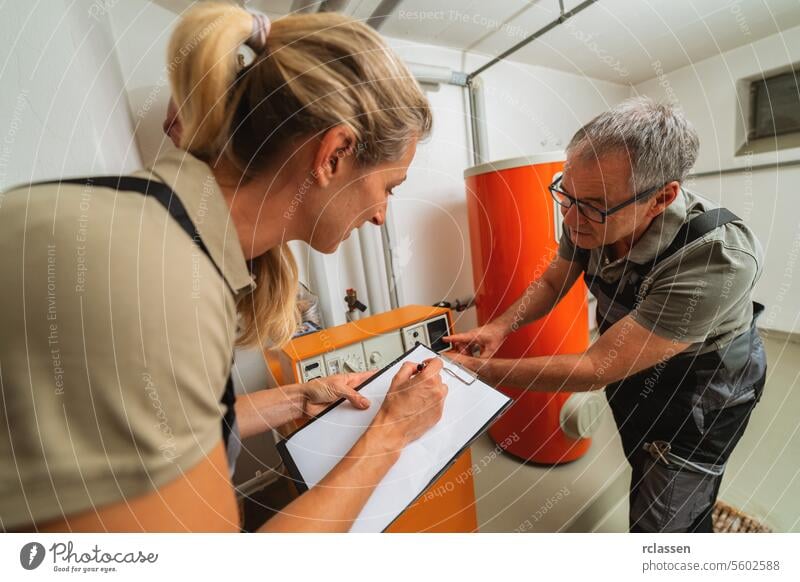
(513, 237)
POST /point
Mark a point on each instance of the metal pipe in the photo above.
(434, 75)
(260, 481)
(371, 258)
(529, 39)
(477, 120)
(382, 12)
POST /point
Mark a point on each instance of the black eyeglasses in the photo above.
(593, 213)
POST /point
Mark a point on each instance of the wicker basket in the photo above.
(728, 519)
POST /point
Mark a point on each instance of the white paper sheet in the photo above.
(317, 448)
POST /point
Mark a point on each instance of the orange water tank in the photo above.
(513, 237)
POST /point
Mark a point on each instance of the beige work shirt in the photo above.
(702, 295)
(116, 336)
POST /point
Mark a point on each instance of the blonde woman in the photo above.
(124, 297)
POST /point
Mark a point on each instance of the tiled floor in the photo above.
(763, 476)
(762, 479)
(513, 496)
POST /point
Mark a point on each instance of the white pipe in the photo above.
(477, 102)
(323, 279)
(372, 258)
(391, 275)
(389, 238)
(434, 75)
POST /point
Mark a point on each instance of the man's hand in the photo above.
(468, 362)
(321, 392)
(486, 340)
(626, 348)
(538, 300)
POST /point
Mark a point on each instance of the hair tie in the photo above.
(258, 38)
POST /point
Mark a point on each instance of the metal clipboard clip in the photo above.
(468, 378)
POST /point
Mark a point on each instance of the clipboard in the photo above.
(311, 451)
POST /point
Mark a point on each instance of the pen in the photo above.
(421, 366)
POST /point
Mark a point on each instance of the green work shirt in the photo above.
(702, 295)
(116, 336)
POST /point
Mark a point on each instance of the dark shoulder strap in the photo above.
(154, 189)
(692, 230)
(167, 197)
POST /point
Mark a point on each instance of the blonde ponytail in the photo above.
(270, 311)
(313, 72)
(203, 55)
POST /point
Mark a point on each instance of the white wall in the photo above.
(767, 199)
(62, 110)
(532, 109)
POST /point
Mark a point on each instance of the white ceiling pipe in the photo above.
(434, 75)
(477, 112)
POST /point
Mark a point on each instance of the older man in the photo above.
(679, 355)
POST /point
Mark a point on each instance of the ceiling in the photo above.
(615, 40)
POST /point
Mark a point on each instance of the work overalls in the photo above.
(679, 420)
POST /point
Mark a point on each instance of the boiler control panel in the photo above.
(367, 344)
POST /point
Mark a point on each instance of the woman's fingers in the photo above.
(432, 367)
(409, 371)
(404, 373)
(358, 378)
(354, 398)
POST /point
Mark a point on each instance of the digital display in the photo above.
(437, 329)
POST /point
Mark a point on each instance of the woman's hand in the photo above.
(318, 394)
(487, 339)
(413, 404)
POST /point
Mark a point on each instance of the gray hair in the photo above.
(660, 142)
